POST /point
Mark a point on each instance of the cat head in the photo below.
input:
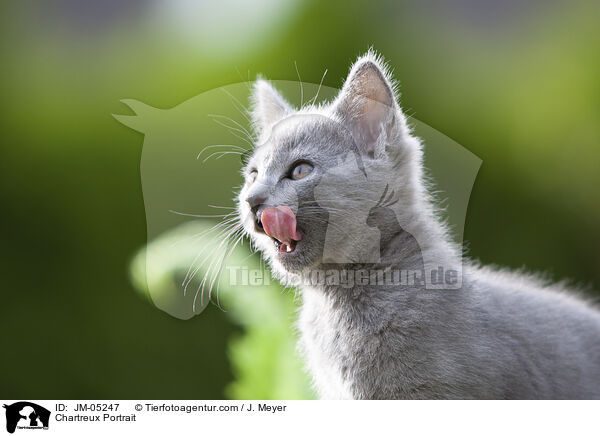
(318, 171)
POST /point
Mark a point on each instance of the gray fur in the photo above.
(500, 335)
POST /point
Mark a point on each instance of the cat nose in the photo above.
(255, 201)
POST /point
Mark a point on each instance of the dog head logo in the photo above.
(214, 126)
(24, 414)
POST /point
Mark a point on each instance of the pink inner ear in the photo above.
(367, 101)
(374, 117)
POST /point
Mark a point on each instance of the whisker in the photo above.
(222, 207)
(232, 130)
(224, 234)
(239, 235)
(191, 274)
(202, 285)
(301, 86)
(204, 232)
(318, 90)
(199, 216)
(208, 147)
(220, 154)
(239, 106)
(241, 128)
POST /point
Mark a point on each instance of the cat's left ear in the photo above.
(267, 107)
(367, 104)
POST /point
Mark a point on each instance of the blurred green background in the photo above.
(516, 83)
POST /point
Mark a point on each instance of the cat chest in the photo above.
(340, 357)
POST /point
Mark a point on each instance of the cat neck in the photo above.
(416, 259)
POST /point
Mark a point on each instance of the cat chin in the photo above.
(295, 262)
(291, 262)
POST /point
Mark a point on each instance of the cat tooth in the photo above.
(288, 248)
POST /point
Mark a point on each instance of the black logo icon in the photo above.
(24, 414)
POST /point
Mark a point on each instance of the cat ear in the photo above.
(367, 103)
(267, 106)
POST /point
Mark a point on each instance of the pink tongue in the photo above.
(280, 223)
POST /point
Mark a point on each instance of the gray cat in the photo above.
(488, 334)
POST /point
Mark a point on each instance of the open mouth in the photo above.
(280, 224)
(283, 247)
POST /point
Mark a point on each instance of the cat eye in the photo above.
(301, 170)
(252, 176)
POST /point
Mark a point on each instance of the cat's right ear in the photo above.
(267, 107)
(367, 104)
